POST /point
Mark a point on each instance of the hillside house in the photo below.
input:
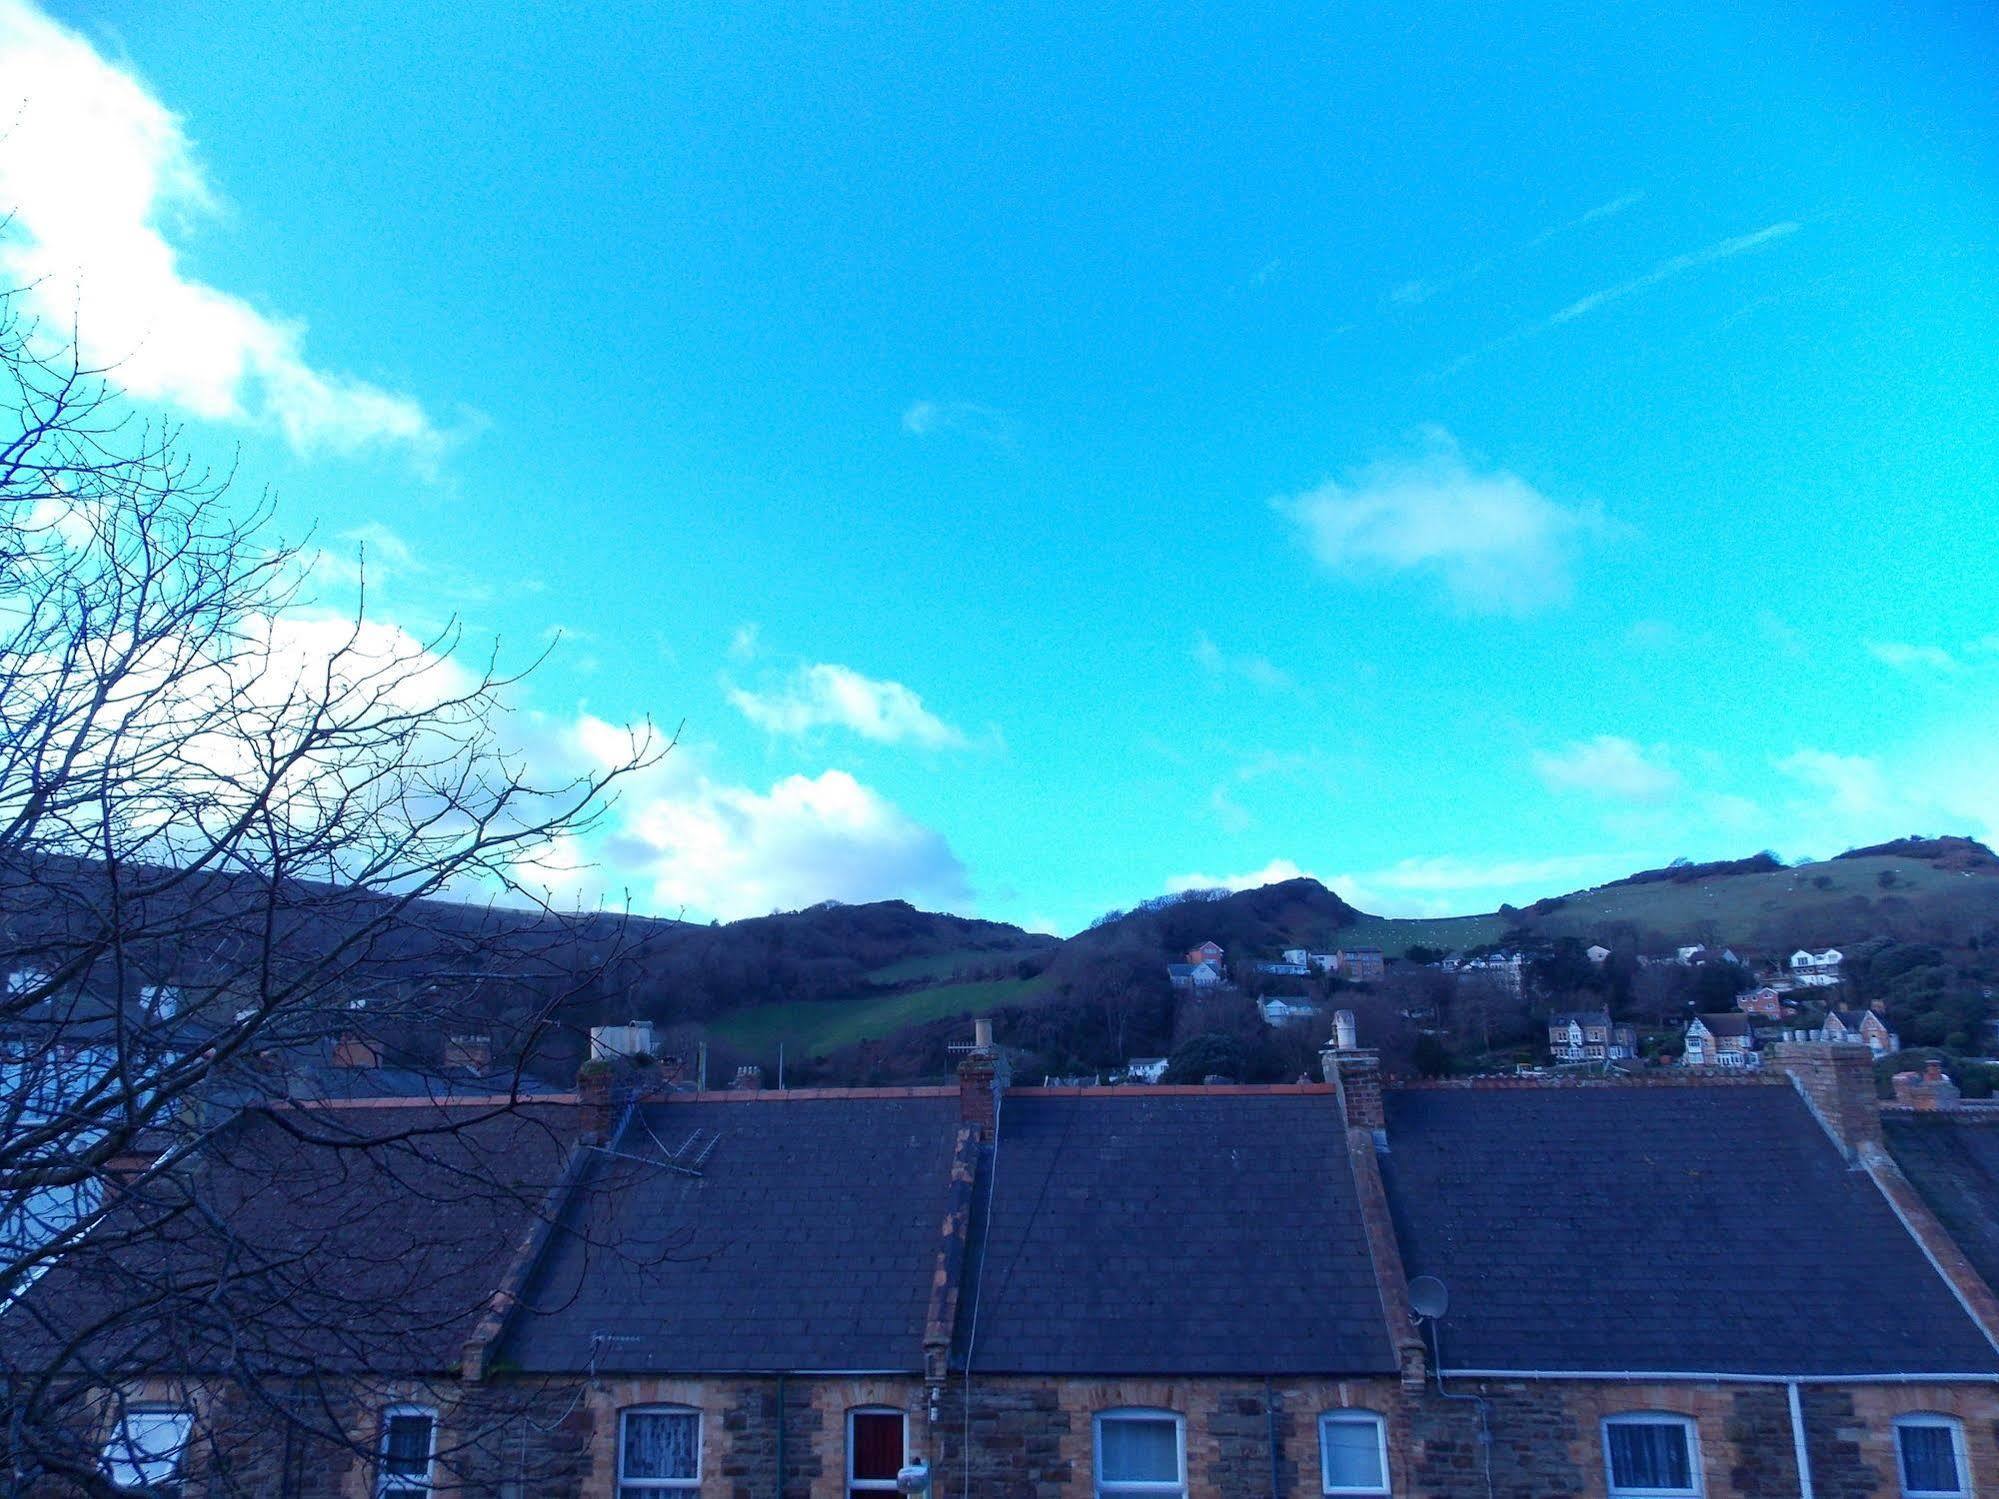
(1590, 1036)
(1143, 1070)
(1193, 976)
(1360, 965)
(1721, 1041)
(1764, 1002)
(1816, 970)
(1321, 962)
(1864, 1026)
(1290, 1009)
(1597, 953)
(1207, 952)
(812, 1343)
(1509, 969)
(1286, 969)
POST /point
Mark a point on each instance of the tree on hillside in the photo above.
(223, 816)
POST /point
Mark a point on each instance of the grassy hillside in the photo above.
(815, 1027)
(1839, 900)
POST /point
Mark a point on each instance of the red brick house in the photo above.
(1764, 1002)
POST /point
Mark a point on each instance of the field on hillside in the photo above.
(1785, 905)
(942, 965)
(1395, 935)
(815, 1027)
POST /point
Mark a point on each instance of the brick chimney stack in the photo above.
(1836, 1080)
(982, 1077)
(749, 1079)
(596, 1087)
(1928, 1089)
(1356, 1073)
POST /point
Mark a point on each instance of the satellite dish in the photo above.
(1427, 1297)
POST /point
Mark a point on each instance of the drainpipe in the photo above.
(1798, 1442)
(1270, 1414)
(780, 1438)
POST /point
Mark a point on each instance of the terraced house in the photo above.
(1473, 1290)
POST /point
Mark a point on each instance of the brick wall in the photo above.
(512, 1438)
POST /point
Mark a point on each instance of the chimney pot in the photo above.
(1345, 1033)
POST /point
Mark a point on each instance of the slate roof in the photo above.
(1170, 1233)
(292, 1257)
(1588, 1229)
(1735, 1023)
(1954, 1163)
(807, 1243)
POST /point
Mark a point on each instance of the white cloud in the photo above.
(1905, 657)
(965, 418)
(743, 644)
(731, 851)
(1608, 766)
(1496, 542)
(826, 695)
(1852, 786)
(97, 172)
(1258, 671)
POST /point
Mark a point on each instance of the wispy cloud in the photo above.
(1610, 767)
(1602, 211)
(1905, 657)
(1496, 542)
(971, 419)
(96, 171)
(1664, 271)
(744, 643)
(1258, 671)
(830, 696)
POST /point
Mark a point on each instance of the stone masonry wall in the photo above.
(1024, 1438)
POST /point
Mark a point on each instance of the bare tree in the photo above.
(226, 819)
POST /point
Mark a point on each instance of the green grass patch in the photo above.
(815, 1027)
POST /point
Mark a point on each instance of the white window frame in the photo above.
(663, 1486)
(1956, 1429)
(121, 1445)
(875, 1485)
(387, 1483)
(1354, 1416)
(1112, 1489)
(1692, 1432)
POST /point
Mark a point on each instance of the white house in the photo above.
(1193, 975)
(1816, 970)
(1292, 1009)
(1597, 953)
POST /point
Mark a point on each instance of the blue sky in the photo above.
(1045, 458)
